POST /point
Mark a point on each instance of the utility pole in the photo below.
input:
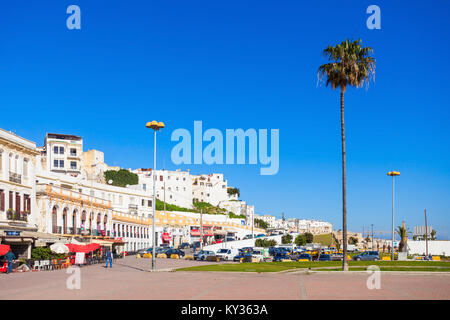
(372, 236)
(253, 223)
(201, 229)
(426, 234)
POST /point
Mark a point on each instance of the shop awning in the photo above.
(4, 248)
(166, 237)
(195, 233)
(82, 248)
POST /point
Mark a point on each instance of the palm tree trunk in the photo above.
(344, 197)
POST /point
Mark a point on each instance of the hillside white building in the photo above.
(173, 187)
(211, 188)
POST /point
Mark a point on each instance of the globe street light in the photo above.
(393, 174)
(156, 126)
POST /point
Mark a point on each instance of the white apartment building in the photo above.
(211, 188)
(62, 153)
(173, 187)
(18, 212)
(269, 219)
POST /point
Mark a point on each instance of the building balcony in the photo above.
(15, 177)
(16, 216)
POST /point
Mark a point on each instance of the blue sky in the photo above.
(245, 64)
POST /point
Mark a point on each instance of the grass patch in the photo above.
(324, 239)
(424, 269)
(281, 266)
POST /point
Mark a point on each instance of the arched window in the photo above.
(55, 220)
(65, 220)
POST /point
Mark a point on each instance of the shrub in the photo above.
(265, 243)
(309, 237)
(300, 240)
(232, 191)
(44, 253)
(286, 239)
(121, 178)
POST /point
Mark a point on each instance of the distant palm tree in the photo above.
(433, 234)
(350, 65)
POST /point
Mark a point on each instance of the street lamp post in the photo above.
(393, 174)
(156, 126)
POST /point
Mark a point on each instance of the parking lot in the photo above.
(128, 279)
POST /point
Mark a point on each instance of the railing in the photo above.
(15, 177)
(16, 216)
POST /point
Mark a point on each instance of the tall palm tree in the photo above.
(350, 65)
(403, 234)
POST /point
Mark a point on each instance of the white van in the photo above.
(260, 253)
(227, 254)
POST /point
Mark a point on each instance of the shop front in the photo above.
(20, 242)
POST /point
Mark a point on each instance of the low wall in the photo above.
(242, 243)
(435, 247)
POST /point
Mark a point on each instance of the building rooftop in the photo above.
(63, 136)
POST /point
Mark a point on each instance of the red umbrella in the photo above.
(4, 248)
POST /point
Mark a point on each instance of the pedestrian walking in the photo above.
(10, 257)
(109, 258)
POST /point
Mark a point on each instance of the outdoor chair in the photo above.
(37, 265)
(56, 264)
(46, 264)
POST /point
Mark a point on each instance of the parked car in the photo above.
(227, 254)
(325, 257)
(367, 256)
(247, 236)
(161, 250)
(337, 256)
(261, 235)
(302, 256)
(248, 249)
(280, 255)
(174, 251)
(202, 254)
(242, 254)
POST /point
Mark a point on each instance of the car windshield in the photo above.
(222, 251)
(257, 252)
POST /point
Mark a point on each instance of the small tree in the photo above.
(261, 224)
(309, 237)
(353, 240)
(286, 239)
(300, 240)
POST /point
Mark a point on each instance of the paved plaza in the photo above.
(129, 279)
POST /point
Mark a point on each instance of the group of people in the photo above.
(9, 258)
